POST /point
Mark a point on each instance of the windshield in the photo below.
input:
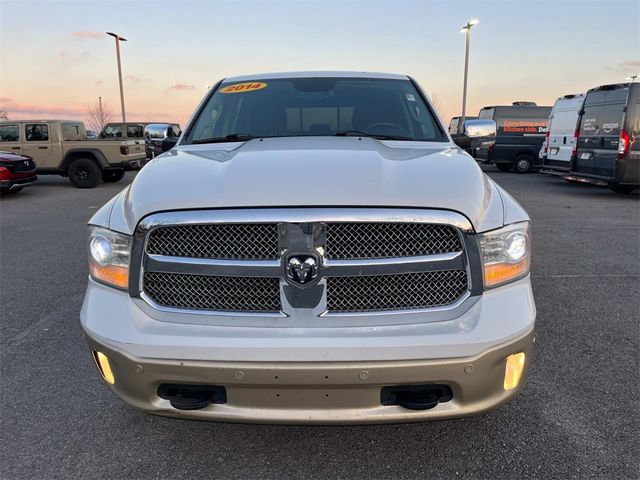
(382, 108)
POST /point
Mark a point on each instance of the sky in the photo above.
(56, 60)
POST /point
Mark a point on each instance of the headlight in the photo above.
(109, 257)
(506, 254)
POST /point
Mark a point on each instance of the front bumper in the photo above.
(318, 392)
(313, 375)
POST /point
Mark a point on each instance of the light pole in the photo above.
(118, 39)
(632, 78)
(467, 29)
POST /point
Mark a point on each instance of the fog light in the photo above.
(102, 362)
(513, 370)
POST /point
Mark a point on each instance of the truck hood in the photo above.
(312, 171)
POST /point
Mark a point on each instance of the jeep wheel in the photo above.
(623, 188)
(112, 176)
(505, 167)
(522, 164)
(84, 173)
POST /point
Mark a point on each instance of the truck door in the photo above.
(37, 143)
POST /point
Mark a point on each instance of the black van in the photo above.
(608, 147)
(521, 128)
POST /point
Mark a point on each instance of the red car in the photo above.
(16, 171)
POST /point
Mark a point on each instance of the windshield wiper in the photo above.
(234, 136)
(358, 133)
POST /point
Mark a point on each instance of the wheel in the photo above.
(505, 167)
(623, 188)
(112, 176)
(84, 173)
(522, 164)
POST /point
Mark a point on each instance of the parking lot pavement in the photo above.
(577, 418)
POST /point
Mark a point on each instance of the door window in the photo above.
(601, 120)
(9, 133)
(134, 131)
(112, 131)
(36, 132)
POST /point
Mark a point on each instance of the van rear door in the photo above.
(600, 123)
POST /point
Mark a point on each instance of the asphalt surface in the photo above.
(577, 418)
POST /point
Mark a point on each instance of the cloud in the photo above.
(19, 110)
(85, 54)
(99, 82)
(91, 35)
(630, 64)
(64, 53)
(133, 78)
(182, 86)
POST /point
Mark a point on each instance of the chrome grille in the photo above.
(352, 241)
(233, 241)
(395, 292)
(203, 292)
(236, 260)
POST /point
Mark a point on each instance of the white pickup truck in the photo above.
(315, 249)
(61, 147)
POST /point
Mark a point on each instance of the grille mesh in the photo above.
(202, 292)
(395, 292)
(233, 241)
(352, 241)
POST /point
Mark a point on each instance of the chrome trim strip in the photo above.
(307, 215)
(213, 267)
(391, 266)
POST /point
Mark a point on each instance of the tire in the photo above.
(6, 191)
(505, 167)
(623, 188)
(112, 176)
(84, 173)
(522, 164)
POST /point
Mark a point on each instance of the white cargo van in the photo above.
(560, 142)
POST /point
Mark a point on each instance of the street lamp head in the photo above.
(632, 77)
(116, 36)
(469, 24)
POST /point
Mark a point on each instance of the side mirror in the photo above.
(476, 134)
(169, 142)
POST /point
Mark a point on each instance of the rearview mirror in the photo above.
(476, 134)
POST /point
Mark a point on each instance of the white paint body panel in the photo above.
(312, 171)
(500, 315)
(562, 126)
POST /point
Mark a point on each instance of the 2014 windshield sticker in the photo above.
(243, 87)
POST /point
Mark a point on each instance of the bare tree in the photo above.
(437, 104)
(3, 115)
(98, 115)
